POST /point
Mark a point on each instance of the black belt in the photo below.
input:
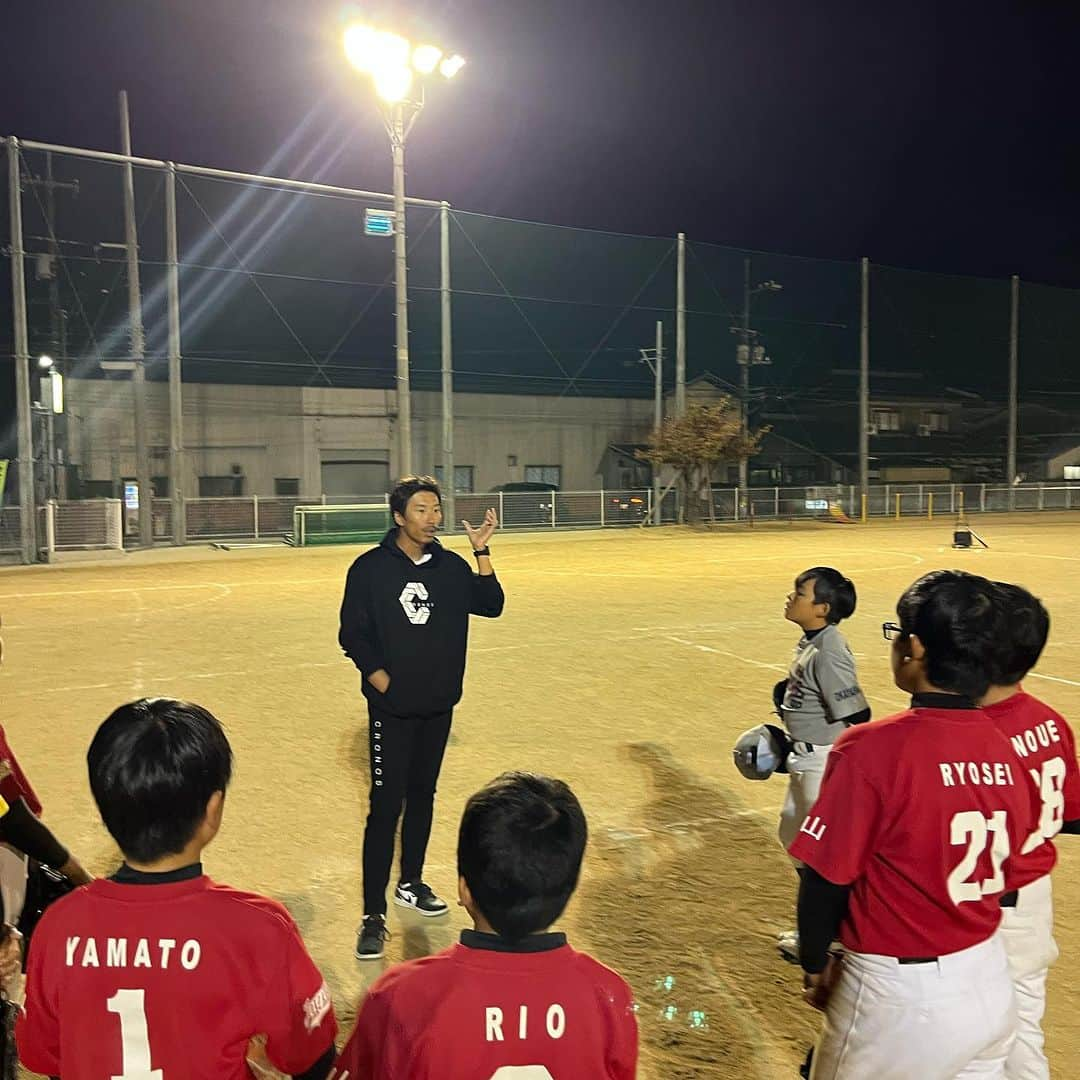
(1009, 899)
(917, 960)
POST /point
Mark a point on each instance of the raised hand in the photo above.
(479, 537)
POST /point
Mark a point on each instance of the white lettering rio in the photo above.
(554, 1022)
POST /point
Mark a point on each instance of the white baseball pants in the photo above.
(951, 1019)
(805, 771)
(1027, 931)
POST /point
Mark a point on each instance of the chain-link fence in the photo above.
(283, 297)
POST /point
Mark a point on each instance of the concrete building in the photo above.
(277, 440)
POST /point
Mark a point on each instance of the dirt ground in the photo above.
(626, 662)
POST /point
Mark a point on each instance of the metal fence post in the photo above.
(176, 407)
(952, 498)
(982, 498)
(50, 526)
(920, 498)
(255, 513)
(602, 508)
(1041, 497)
(23, 421)
(649, 504)
(502, 516)
(776, 502)
(553, 496)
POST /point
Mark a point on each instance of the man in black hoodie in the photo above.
(405, 625)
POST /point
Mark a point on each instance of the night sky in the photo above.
(932, 135)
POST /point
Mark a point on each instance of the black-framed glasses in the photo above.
(891, 631)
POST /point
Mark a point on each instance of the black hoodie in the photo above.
(413, 622)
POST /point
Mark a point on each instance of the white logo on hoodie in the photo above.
(414, 602)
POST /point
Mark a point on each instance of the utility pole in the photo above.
(1014, 364)
(748, 353)
(864, 382)
(744, 375)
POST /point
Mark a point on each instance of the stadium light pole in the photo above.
(394, 64)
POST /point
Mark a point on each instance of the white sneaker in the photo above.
(418, 896)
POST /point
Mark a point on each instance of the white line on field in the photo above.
(1052, 678)
(723, 652)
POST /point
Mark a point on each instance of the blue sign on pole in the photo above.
(378, 222)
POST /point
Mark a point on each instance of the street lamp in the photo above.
(394, 65)
(746, 354)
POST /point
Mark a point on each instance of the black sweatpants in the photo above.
(406, 756)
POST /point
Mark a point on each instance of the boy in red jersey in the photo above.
(908, 849)
(510, 1000)
(1045, 744)
(157, 972)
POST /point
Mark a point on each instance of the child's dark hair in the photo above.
(407, 487)
(832, 588)
(1025, 624)
(520, 848)
(955, 616)
(154, 764)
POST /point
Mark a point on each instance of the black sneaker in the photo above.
(419, 897)
(369, 942)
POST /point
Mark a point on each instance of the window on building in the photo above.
(212, 487)
(544, 474)
(936, 421)
(286, 485)
(885, 419)
(1072, 472)
(463, 479)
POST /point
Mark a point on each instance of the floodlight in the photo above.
(425, 58)
(451, 66)
(393, 83)
(362, 47)
(44, 361)
(393, 51)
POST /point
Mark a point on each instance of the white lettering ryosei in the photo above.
(1028, 742)
(84, 952)
(976, 773)
(554, 1023)
(813, 827)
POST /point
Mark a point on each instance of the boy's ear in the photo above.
(215, 809)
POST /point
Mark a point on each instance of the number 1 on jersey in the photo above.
(970, 827)
(130, 1006)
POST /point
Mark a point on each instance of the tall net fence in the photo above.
(283, 295)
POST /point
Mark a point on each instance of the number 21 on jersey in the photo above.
(977, 832)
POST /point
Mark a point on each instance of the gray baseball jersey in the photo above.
(822, 688)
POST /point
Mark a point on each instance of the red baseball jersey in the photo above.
(155, 981)
(483, 1010)
(1044, 742)
(13, 782)
(919, 813)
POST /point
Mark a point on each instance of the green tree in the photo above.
(695, 443)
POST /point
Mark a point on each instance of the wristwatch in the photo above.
(485, 550)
